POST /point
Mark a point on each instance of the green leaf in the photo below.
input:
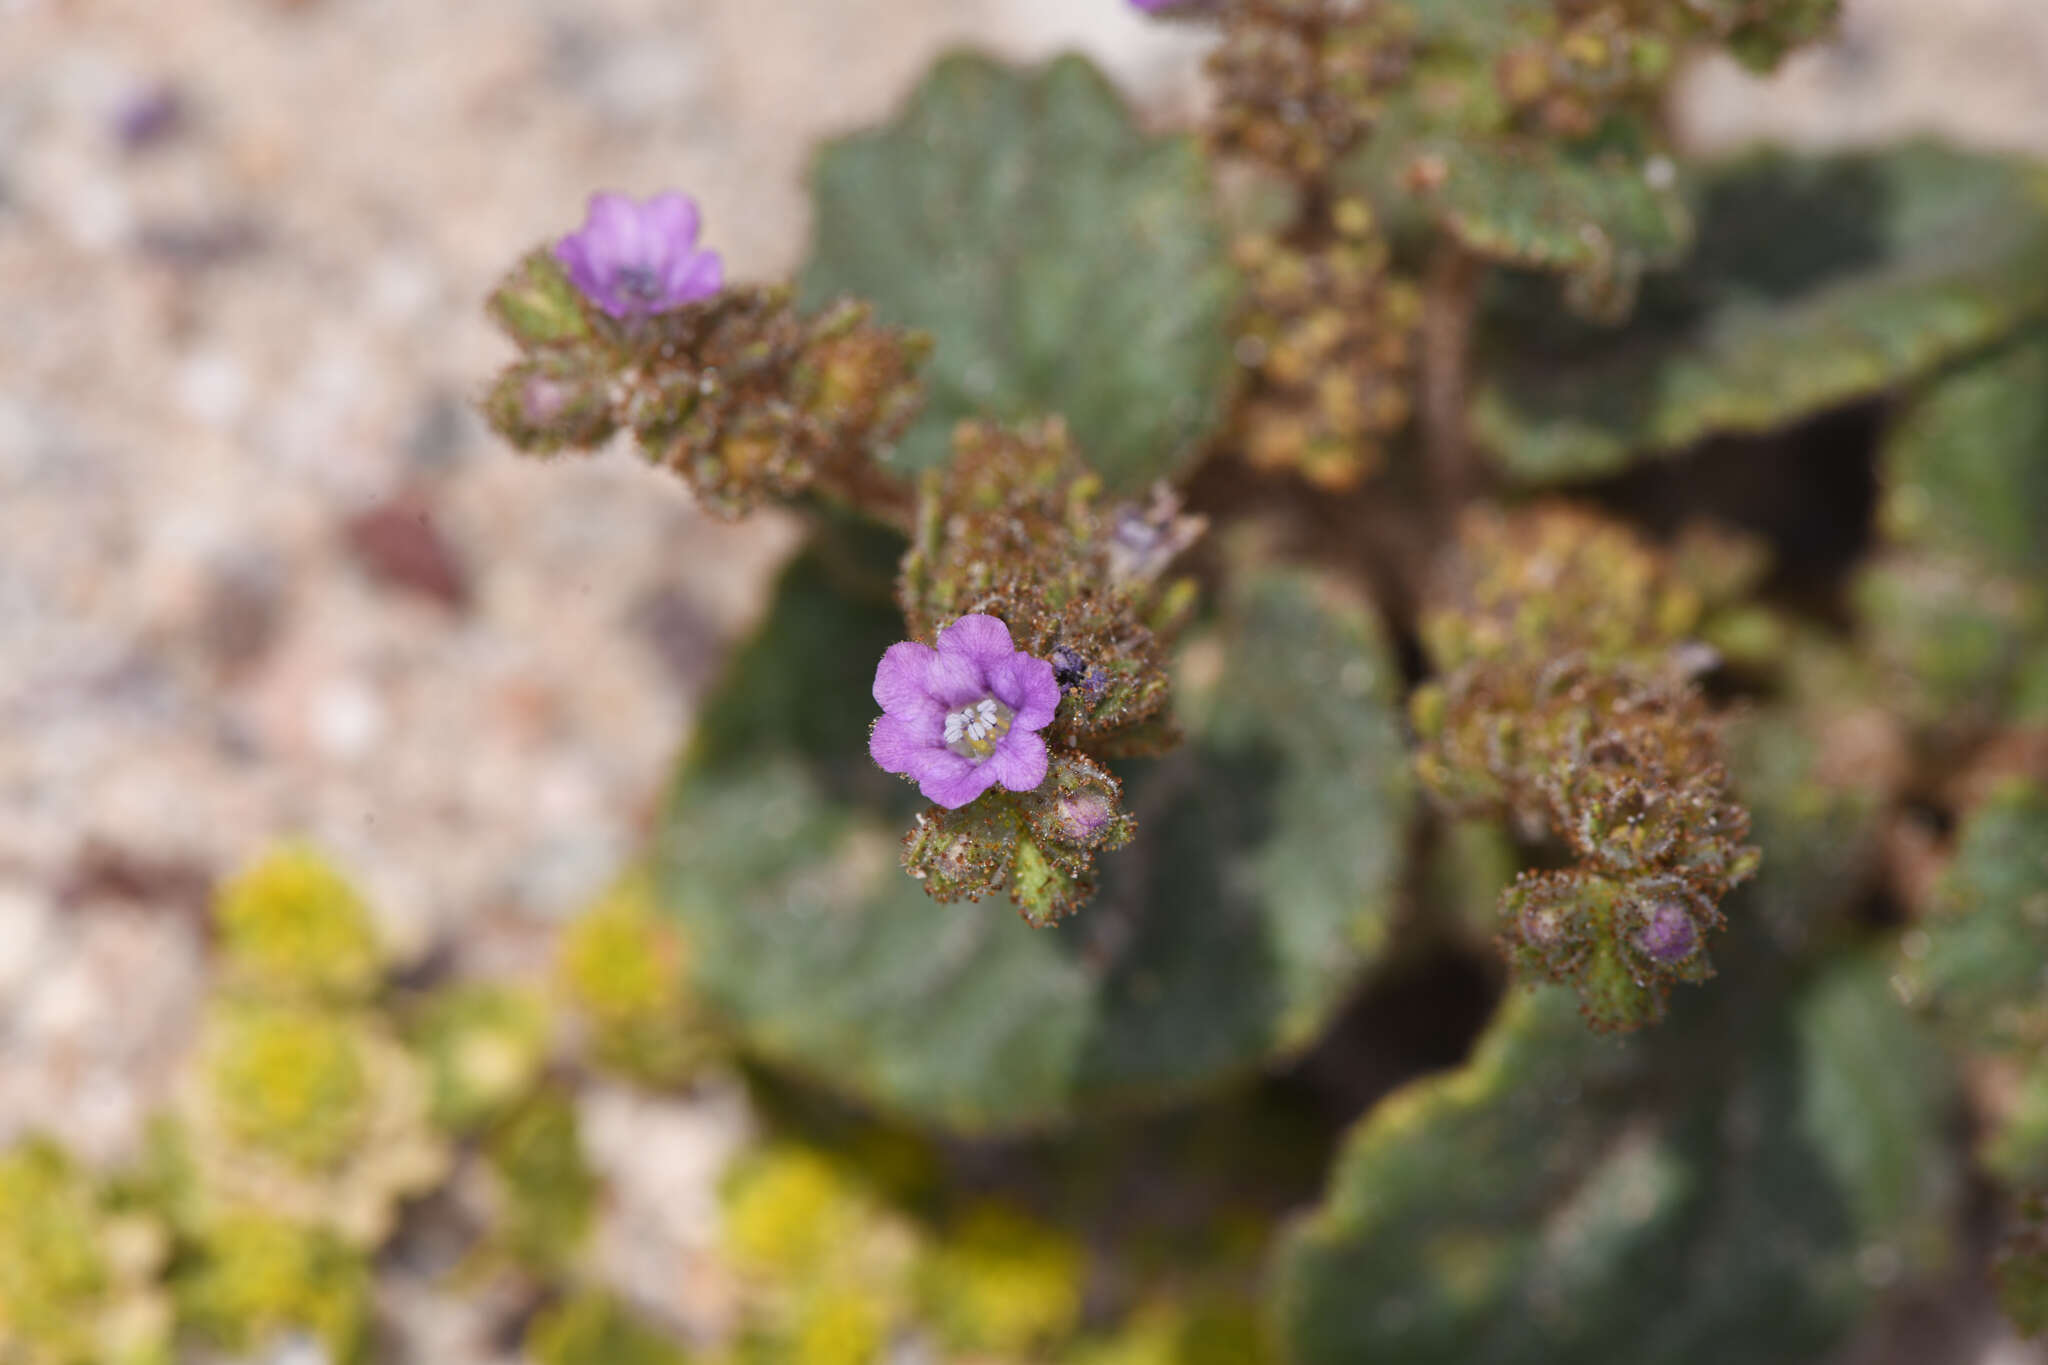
(1260, 885)
(1815, 282)
(1708, 1191)
(1952, 638)
(1966, 472)
(1597, 214)
(1873, 1106)
(1820, 830)
(1063, 260)
(1983, 955)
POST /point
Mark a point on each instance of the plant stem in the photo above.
(1450, 303)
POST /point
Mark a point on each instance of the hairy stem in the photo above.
(1450, 303)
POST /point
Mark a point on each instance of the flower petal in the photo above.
(899, 746)
(952, 781)
(612, 232)
(691, 277)
(980, 639)
(1027, 686)
(956, 681)
(1019, 762)
(903, 677)
(672, 218)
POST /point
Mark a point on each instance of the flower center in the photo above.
(638, 282)
(973, 731)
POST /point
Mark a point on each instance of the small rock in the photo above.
(400, 547)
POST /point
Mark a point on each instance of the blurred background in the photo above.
(263, 572)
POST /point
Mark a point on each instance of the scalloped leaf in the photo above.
(1597, 213)
(1696, 1194)
(1985, 952)
(1261, 883)
(1063, 260)
(1966, 471)
(1952, 639)
(1816, 282)
(1820, 829)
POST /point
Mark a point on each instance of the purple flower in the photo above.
(1667, 934)
(960, 718)
(1190, 7)
(632, 259)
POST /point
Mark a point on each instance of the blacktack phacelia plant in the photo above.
(1420, 531)
(1153, 698)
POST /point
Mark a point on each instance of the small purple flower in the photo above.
(1174, 7)
(632, 259)
(1667, 934)
(960, 718)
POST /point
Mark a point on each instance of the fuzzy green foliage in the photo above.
(1062, 259)
(1814, 282)
(547, 1195)
(78, 1278)
(484, 1045)
(310, 1114)
(292, 928)
(625, 971)
(1603, 213)
(1263, 885)
(1966, 470)
(1958, 615)
(742, 395)
(1981, 963)
(252, 1279)
(1563, 703)
(1950, 637)
(1814, 776)
(1709, 1191)
(596, 1329)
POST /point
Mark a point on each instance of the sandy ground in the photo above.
(261, 570)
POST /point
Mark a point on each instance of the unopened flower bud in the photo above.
(1082, 816)
(1668, 934)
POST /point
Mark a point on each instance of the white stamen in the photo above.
(973, 730)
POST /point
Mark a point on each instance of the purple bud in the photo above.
(1081, 816)
(635, 259)
(1667, 934)
(542, 400)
